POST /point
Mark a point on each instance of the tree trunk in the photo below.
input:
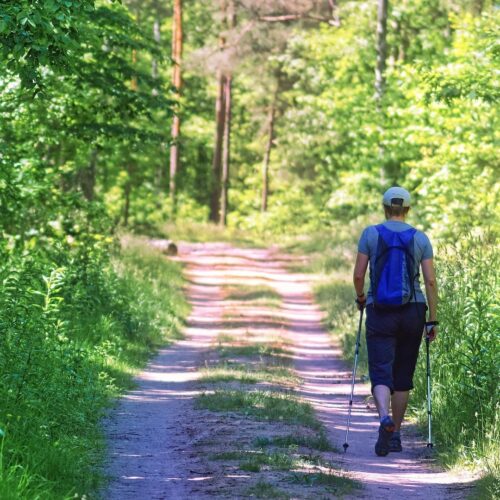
(381, 51)
(267, 155)
(133, 83)
(126, 208)
(380, 80)
(177, 83)
(226, 149)
(217, 158)
(226, 142)
(131, 169)
(478, 7)
(334, 12)
(157, 39)
(87, 176)
(162, 169)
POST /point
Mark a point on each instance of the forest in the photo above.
(263, 122)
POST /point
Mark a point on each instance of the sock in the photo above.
(387, 419)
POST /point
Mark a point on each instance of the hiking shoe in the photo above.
(384, 435)
(395, 443)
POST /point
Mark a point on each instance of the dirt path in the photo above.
(327, 385)
(154, 432)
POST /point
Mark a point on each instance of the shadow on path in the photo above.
(151, 431)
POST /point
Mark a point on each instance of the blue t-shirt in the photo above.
(422, 250)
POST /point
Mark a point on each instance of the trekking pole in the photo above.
(429, 399)
(356, 354)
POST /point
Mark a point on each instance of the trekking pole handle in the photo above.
(429, 326)
(430, 330)
(360, 303)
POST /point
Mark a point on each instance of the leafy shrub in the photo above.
(464, 359)
(71, 337)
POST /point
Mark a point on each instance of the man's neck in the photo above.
(397, 219)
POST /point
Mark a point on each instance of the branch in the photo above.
(293, 17)
(334, 10)
(280, 19)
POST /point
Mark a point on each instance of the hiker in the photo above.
(395, 310)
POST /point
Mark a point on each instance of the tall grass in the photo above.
(466, 356)
(465, 359)
(71, 337)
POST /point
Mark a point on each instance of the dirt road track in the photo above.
(151, 432)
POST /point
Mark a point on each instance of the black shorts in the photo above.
(393, 339)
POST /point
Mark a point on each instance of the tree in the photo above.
(381, 50)
(35, 34)
(262, 32)
(226, 143)
(220, 121)
(267, 153)
(177, 83)
(223, 102)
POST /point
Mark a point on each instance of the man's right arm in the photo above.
(360, 268)
(431, 291)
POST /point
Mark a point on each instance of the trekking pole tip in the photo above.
(430, 445)
(345, 446)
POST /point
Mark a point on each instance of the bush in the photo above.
(71, 337)
(464, 359)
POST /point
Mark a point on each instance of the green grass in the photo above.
(255, 349)
(486, 488)
(249, 374)
(225, 338)
(288, 460)
(263, 405)
(318, 441)
(204, 232)
(18, 482)
(335, 482)
(257, 294)
(335, 296)
(275, 460)
(101, 329)
(284, 460)
(263, 489)
(254, 460)
(330, 250)
(464, 358)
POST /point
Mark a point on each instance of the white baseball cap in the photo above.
(396, 196)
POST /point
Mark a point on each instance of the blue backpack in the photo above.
(394, 269)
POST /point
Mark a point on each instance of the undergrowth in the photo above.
(71, 338)
(464, 359)
(264, 405)
(247, 373)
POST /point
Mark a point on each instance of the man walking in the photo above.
(395, 310)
